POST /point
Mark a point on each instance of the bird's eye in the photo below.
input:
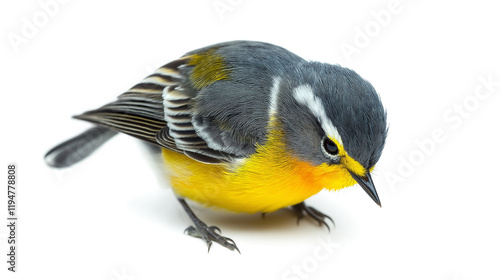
(330, 147)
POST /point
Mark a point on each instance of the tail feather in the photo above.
(78, 147)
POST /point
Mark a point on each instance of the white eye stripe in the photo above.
(273, 100)
(305, 96)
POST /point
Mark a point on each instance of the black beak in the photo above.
(367, 184)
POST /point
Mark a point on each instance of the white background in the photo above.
(111, 218)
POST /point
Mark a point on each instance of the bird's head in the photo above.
(334, 120)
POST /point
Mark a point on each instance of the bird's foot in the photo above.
(209, 234)
(301, 209)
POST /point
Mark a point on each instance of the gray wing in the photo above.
(211, 104)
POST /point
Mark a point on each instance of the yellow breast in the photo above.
(268, 180)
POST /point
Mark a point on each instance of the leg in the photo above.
(300, 208)
(207, 233)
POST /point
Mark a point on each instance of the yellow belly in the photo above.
(266, 181)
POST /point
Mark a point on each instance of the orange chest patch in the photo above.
(253, 187)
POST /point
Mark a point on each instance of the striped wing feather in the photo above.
(158, 110)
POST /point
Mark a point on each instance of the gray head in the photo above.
(331, 117)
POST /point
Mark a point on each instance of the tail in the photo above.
(79, 147)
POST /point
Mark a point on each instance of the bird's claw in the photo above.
(318, 216)
(209, 234)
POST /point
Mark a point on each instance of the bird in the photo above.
(246, 126)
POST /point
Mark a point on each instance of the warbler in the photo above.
(248, 127)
